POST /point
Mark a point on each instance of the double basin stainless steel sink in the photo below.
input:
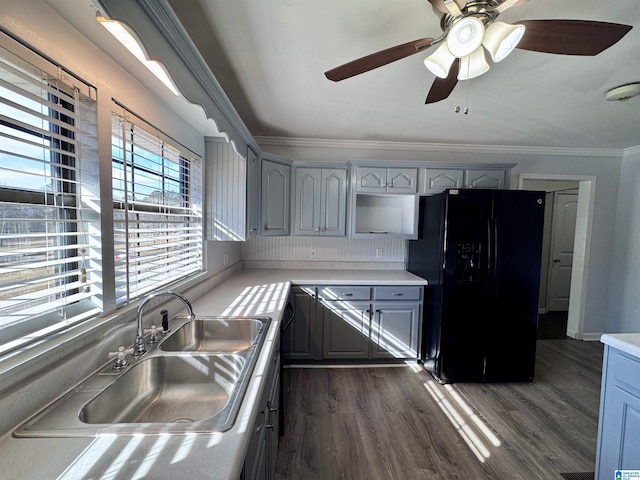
(192, 381)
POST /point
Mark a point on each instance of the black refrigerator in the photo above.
(480, 252)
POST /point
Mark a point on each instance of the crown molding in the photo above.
(632, 150)
(264, 141)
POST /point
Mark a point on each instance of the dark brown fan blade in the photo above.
(570, 37)
(378, 59)
(442, 88)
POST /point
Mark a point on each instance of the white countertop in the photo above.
(212, 456)
(626, 342)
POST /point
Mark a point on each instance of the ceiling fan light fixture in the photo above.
(465, 36)
(623, 93)
(439, 62)
(473, 65)
(501, 38)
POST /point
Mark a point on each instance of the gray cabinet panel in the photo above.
(333, 202)
(301, 340)
(494, 179)
(346, 330)
(395, 330)
(386, 180)
(308, 181)
(619, 421)
(275, 198)
(321, 201)
(253, 194)
(437, 180)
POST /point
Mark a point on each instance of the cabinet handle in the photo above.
(264, 420)
(324, 229)
(346, 294)
(317, 229)
(394, 294)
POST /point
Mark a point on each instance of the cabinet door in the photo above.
(346, 329)
(437, 180)
(308, 191)
(402, 180)
(275, 198)
(395, 330)
(333, 198)
(300, 339)
(273, 425)
(494, 179)
(255, 462)
(619, 428)
(253, 194)
(371, 179)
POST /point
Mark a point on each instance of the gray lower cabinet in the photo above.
(619, 420)
(395, 330)
(260, 460)
(301, 340)
(381, 322)
(345, 322)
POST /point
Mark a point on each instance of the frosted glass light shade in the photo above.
(465, 36)
(440, 61)
(473, 65)
(501, 38)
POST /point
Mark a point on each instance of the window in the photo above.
(156, 208)
(47, 140)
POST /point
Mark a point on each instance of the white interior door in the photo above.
(562, 240)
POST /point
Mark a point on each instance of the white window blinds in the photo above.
(157, 210)
(47, 260)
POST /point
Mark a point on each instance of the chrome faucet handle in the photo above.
(155, 336)
(138, 346)
(121, 359)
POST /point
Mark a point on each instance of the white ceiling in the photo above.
(270, 57)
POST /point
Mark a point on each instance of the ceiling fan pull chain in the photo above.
(457, 109)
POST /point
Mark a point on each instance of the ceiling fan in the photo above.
(470, 30)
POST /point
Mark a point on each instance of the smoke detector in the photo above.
(625, 92)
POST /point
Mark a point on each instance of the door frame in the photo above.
(581, 247)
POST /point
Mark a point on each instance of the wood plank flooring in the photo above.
(397, 423)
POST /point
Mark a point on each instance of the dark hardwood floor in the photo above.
(397, 423)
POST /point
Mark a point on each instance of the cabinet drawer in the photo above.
(345, 293)
(397, 293)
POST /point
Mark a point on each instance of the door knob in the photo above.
(556, 260)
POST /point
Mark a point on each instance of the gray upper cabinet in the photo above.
(436, 180)
(253, 194)
(386, 180)
(276, 184)
(321, 201)
(485, 179)
(227, 191)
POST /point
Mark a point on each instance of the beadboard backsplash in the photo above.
(324, 252)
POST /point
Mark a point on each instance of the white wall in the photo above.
(623, 313)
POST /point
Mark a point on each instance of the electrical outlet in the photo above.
(225, 258)
(378, 253)
(313, 253)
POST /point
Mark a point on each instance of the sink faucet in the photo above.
(138, 344)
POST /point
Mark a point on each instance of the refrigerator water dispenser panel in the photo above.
(467, 263)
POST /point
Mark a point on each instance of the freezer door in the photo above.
(464, 289)
(516, 239)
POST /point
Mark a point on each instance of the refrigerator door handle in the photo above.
(496, 250)
(490, 258)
